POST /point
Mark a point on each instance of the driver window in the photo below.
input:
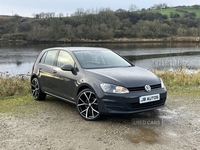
(64, 58)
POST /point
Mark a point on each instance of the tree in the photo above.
(174, 15)
(121, 14)
(79, 12)
(133, 8)
(159, 6)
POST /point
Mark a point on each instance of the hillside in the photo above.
(178, 10)
(105, 25)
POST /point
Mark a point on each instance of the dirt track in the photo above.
(55, 125)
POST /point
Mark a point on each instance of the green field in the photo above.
(197, 11)
(174, 10)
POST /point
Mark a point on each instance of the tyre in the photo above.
(87, 105)
(36, 90)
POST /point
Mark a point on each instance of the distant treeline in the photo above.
(98, 25)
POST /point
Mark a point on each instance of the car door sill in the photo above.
(73, 102)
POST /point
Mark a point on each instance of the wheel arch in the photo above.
(37, 92)
(33, 76)
(83, 87)
(94, 87)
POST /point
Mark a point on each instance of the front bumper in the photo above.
(129, 103)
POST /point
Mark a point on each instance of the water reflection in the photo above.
(14, 69)
(18, 59)
(169, 61)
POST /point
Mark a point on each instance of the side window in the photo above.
(64, 58)
(49, 57)
(43, 58)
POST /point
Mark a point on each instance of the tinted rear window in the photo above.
(49, 57)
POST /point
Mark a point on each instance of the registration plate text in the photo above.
(149, 98)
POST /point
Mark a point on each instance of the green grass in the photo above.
(197, 11)
(24, 104)
(166, 11)
(169, 10)
(14, 104)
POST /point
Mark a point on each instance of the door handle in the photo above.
(54, 71)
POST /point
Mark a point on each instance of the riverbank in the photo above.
(179, 81)
(116, 40)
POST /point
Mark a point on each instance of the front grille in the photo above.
(138, 106)
(141, 88)
(155, 86)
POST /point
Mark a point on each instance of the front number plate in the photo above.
(149, 98)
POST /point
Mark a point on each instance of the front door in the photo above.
(65, 83)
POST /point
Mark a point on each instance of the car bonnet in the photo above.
(126, 76)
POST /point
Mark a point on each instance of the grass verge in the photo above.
(15, 104)
(181, 81)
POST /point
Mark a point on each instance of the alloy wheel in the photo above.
(36, 91)
(87, 105)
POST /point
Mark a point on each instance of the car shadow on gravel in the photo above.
(58, 102)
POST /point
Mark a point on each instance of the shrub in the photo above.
(180, 79)
(10, 86)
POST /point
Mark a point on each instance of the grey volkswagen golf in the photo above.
(97, 80)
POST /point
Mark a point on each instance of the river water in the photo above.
(18, 59)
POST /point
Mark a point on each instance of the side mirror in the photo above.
(67, 68)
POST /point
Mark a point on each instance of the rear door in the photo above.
(46, 74)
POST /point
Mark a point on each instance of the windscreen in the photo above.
(100, 59)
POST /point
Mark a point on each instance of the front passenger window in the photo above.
(64, 58)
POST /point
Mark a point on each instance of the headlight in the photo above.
(162, 83)
(110, 88)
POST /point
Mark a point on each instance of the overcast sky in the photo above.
(27, 7)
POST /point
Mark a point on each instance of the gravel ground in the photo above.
(55, 125)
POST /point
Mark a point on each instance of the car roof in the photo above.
(78, 48)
